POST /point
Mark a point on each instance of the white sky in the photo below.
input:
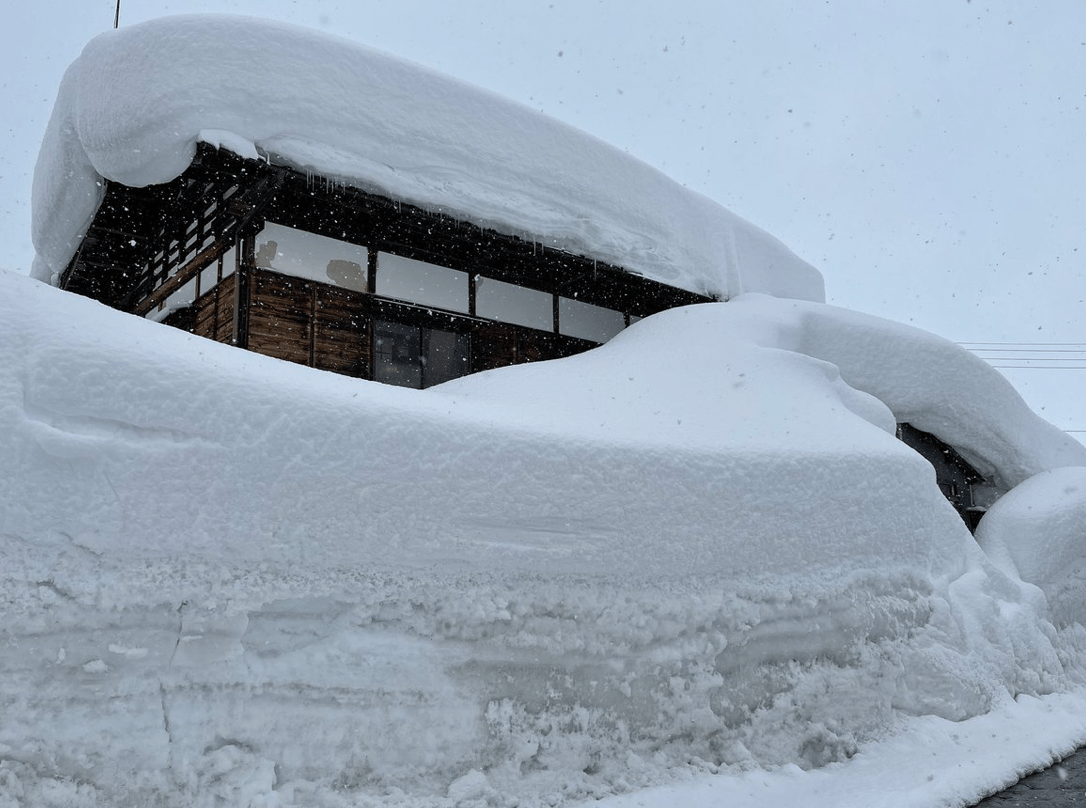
(929, 157)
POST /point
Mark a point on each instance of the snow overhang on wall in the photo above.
(133, 106)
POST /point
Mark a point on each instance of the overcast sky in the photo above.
(928, 156)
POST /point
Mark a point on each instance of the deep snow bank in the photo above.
(932, 384)
(228, 577)
(1038, 532)
(132, 107)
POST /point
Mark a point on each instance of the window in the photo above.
(413, 356)
(584, 320)
(445, 356)
(398, 354)
(211, 274)
(182, 297)
(508, 303)
(307, 255)
(421, 282)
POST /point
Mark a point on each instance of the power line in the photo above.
(1027, 350)
(1037, 356)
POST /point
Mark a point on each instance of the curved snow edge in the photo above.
(940, 388)
(131, 108)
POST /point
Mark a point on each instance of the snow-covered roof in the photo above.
(133, 106)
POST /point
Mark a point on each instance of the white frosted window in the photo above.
(183, 296)
(587, 321)
(209, 276)
(421, 282)
(307, 255)
(229, 262)
(509, 303)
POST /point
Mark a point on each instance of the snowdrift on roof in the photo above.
(227, 579)
(134, 104)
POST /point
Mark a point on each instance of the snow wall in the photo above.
(133, 106)
(698, 548)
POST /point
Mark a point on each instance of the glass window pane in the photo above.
(183, 296)
(229, 261)
(398, 354)
(445, 356)
(307, 255)
(209, 276)
(509, 303)
(587, 321)
(421, 282)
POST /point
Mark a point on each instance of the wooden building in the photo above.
(301, 268)
(327, 275)
(320, 273)
(963, 486)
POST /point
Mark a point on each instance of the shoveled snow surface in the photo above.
(133, 106)
(695, 559)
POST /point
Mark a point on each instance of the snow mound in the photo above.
(1038, 532)
(226, 578)
(134, 104)
(931, 383)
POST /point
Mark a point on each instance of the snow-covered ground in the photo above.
(225, 577)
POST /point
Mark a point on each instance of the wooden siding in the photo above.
(215, 313)
(329, 328)
(309, 323)
(145, 244)
(341, 331)
(280, 317)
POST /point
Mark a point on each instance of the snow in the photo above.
(133, 106)
(1038, 531)
(928, 382)
(691, 566)
(931, 763)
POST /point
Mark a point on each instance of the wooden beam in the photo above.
(183, 276)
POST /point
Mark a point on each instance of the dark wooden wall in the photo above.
(146, 244)
(330, 328)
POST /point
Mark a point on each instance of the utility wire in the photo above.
(1031, 356)
(1027, 350)
(1037, 357)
